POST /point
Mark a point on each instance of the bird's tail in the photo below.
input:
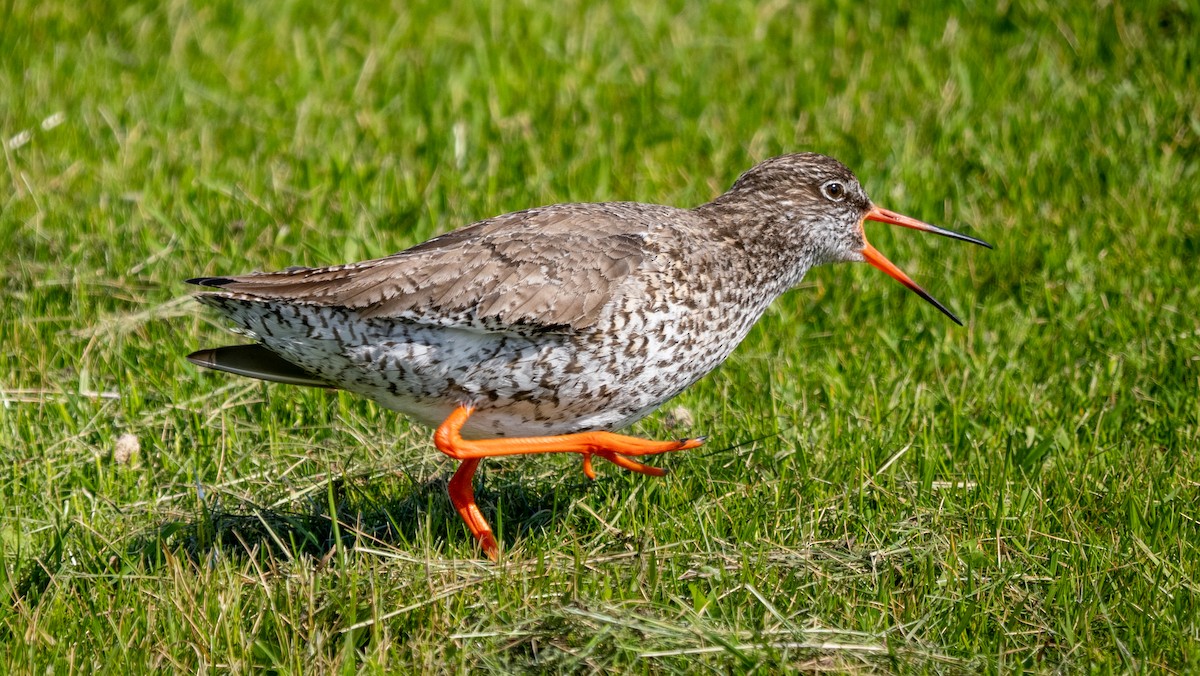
(256, 361)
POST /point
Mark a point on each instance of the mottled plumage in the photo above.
(555, 320)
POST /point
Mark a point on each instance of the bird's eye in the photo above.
(834, 191)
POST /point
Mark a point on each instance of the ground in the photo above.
(882, 490)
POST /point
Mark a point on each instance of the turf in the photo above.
(882, 490)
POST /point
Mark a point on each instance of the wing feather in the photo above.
(554, 268)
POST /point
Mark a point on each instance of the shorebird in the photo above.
(546, 330)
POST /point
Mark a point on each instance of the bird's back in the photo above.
(553, 268)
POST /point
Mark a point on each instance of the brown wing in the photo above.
(553, 268)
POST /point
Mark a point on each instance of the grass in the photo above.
(882, 490)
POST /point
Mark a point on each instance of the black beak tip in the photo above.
(945, 310)
(968, 238)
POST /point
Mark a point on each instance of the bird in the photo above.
(548, 330)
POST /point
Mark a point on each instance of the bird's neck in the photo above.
(772, 250)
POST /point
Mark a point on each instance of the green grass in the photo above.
(882, 489)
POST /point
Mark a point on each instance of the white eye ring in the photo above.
(834, 191)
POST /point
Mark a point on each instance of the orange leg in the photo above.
(462, 495)
(611, 447)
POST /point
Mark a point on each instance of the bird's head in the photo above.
(822, 203)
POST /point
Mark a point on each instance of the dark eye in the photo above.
(835, 191)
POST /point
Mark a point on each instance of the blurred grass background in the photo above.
(882, 490)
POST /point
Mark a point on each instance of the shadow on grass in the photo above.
(406, 519)
(372, 512)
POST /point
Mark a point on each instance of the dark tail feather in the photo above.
(210, 281)
(255, 361)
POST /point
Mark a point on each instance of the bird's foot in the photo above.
(616, 448)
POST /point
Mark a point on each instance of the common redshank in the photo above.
(544, 331)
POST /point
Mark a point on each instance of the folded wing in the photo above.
(549, 269)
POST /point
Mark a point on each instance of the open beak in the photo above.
(877, 259)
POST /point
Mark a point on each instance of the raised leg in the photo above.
(612, 447)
